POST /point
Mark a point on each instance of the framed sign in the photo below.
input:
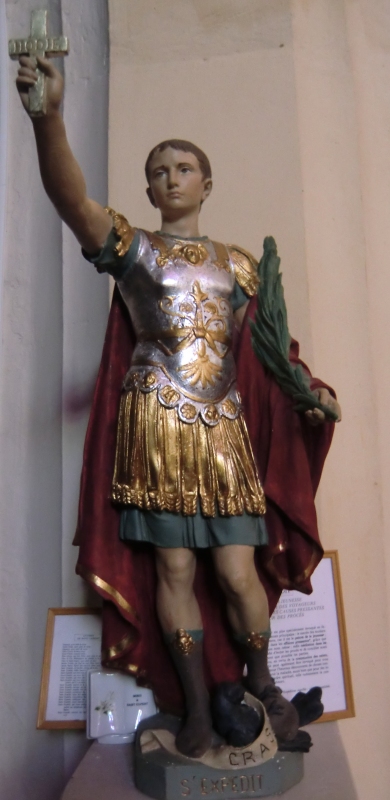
(308, 646)
(72, 647)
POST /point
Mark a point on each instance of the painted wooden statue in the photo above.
(197, 493)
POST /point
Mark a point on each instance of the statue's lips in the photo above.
(174, 195)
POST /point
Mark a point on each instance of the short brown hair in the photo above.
(186, 147)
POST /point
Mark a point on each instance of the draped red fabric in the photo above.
(290, 455)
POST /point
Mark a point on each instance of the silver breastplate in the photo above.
(178, 296)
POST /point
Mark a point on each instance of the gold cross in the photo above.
(38, 44)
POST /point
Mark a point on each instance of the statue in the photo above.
(197, 493)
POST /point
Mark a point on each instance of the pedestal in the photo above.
(166, 776)
(107, 773)
(174, 779)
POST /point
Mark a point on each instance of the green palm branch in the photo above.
(271, 338)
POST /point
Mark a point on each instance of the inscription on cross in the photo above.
(38, 44)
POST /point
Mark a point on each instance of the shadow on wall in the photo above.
(77, 397)
(327, 772)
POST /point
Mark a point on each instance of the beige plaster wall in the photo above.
(291, 102)
(344, 316)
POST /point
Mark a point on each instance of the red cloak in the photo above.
(290, 455)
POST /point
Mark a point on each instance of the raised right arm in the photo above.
(61, 175)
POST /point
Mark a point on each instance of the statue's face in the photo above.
(177, 185)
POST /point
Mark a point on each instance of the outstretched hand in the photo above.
(27, 77)
(316, 416)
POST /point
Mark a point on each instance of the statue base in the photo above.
(165, 775)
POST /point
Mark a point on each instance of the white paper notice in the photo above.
(305, 644)
(76, 649)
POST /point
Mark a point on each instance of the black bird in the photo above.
(240, 724)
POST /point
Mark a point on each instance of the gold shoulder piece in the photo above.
(245, 267)
(222, 256)
(159, 246)
(123, 230)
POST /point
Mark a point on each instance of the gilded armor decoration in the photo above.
(170, 396)
(188, 411)
(182, 442)
(175, 460)
(194, 253)
(201, 321)
(183, 642)
(123, 230)
(188, 408)
(245, 266)
(257, 641)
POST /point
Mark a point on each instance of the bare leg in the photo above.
(179, 614)
(247, 603)
(248, 613)
(247, 607)
(177, 606)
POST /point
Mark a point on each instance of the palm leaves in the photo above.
(271, 338)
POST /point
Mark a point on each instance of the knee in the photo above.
(176, 571)
(236, 583)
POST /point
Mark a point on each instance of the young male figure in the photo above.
(185, 474)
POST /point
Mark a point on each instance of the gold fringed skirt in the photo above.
(164, 464)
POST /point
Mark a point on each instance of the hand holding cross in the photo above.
(61, 175)
(38, 46)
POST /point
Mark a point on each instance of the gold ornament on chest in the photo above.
(201, 321)
(193, 253)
